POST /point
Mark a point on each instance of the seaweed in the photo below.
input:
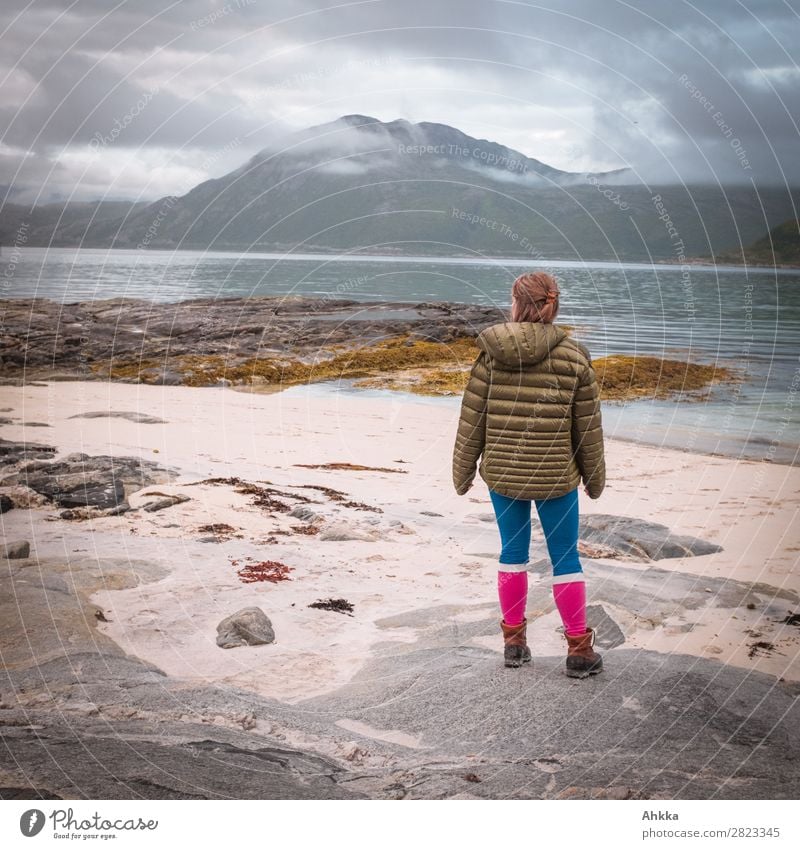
(338, 605)
(268, 570)
(762, 647)
(353, 467)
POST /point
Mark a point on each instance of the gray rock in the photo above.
(55, 583)
(643, 715)
(122, 507)
(24, 497)
(343, 531)
(249, 626)
(162, 503)
(88, 753)
(304, 512)
(139, 418)
(640, 539)
(15, 452)
(608, 634)
(80, 513)
(101, 489)
(38, 344)
(82, 481)
(15, 550)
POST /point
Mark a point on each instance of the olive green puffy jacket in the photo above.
(532, 409)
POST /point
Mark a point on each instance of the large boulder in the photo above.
(249, 626)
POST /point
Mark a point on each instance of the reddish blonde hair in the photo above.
(535, 297)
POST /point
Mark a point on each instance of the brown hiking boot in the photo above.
(582, 660)
(516, 651)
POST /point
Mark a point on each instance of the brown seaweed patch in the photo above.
(620, 378)
(422, 381)
(760, 648)
(359, 505)
(624, 377)
(387, 355)
(423, 367)
(338, 605)
(307, 530)
(263, 496)
(333, 494)
(219, 529)
(352, 467)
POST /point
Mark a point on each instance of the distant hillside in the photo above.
(59, 224)
(781, 246)
(359, 184)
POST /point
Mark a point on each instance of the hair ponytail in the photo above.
(535, 297)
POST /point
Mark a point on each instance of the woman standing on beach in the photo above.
(532, 409)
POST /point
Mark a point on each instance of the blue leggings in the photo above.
(559, 518)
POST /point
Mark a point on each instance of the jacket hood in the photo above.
(518, 344)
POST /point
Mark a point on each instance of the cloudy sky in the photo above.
(141, 99)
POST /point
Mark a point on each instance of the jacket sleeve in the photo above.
(587, 432)
(471, 433)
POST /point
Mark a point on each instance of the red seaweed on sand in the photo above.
(266, 570)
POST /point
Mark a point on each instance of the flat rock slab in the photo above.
(130, 415)
(641, 539)
(165, 760)
(650, 726)
(623, 537)
(608, 634)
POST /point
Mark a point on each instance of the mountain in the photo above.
(59, 224)
(360, 184)
(781, 246)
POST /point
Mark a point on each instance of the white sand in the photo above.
(748, 507)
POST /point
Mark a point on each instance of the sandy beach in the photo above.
(413, 559)
(420, 568)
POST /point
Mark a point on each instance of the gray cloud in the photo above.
(702, 92)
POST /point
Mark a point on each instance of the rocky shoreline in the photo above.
(95, 340)
(270, 343)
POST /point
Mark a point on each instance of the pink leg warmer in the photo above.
(570, 598)
(512, 587)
